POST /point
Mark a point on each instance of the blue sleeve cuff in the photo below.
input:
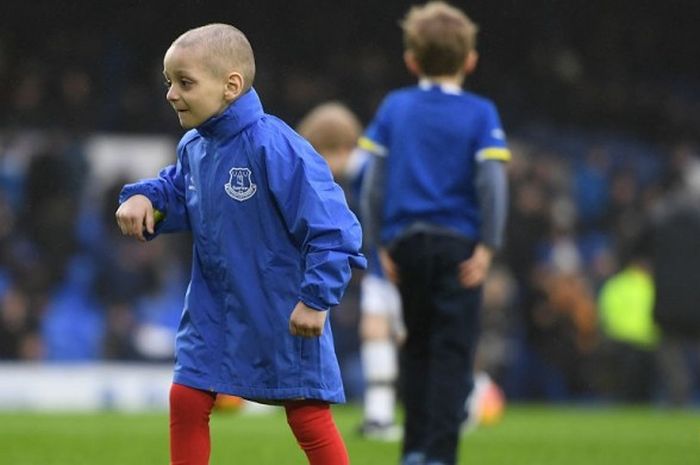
(143, 188)
(149, 191)
(316, 305)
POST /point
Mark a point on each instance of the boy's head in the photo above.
(333, 130)
(206, 69)
(440, 40)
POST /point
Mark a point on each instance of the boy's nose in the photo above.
(171, 95)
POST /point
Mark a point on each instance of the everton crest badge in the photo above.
(240, 185)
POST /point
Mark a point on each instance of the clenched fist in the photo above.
(136, 216)
(306, 321)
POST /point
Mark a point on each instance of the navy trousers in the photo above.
(437, 359)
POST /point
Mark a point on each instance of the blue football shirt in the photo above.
(432, 137)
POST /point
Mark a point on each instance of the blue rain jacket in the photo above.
(270, 228)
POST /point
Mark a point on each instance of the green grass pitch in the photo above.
(527, 435)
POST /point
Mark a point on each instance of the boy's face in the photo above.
(194, 91)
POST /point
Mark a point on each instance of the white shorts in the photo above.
(378, 296)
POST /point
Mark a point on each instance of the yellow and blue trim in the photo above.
(370, 146)
(494, 153)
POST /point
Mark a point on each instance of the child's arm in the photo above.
(153, 206)
(491, 182)
(492, 189)
(318, 218)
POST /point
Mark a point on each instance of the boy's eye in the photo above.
(167, 83)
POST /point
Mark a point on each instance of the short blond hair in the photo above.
(330, 126)
(440, 37)
(224, 49)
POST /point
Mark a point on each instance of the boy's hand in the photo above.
(473, 272)
(136, 216)
(306, 321)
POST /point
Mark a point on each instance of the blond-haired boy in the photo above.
(436, 206)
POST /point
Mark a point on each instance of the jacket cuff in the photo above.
(144, 189)
(313, 303)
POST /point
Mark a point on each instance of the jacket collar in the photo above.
(237, 116)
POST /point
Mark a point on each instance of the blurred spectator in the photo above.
(625, 215)
(675, 248)
(591, 187)
(627, 356)
(19, 338)
(53, 190)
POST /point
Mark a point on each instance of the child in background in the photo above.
(274, 243)
(436, 203)
(334, 130)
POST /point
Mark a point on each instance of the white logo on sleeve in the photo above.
(240, 185)
(498, 134)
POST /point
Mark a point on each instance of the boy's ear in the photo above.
(411, 63)
(470, 62)
(234, 86)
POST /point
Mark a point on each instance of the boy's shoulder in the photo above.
(188, 137)
(274, 135)
(271, 130)
(401, 93)
(478, 99)
(409, 93)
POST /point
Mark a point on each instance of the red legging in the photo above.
(189, 425)
(310, 421)
(313, 426)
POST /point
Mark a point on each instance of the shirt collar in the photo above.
(237, 116)
(427, 84)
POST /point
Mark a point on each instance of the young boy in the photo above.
(274, 241)
(436, 205)
(334, 130)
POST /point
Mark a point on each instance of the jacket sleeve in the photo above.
(317, 216)
(167, 194)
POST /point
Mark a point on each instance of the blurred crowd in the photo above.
(72, 289)
(594, 297)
